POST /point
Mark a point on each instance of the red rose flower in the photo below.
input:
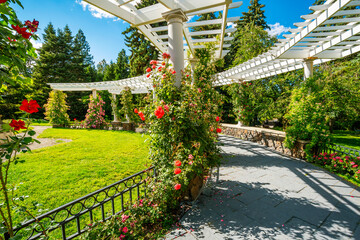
(153, 66)
(136, 110)
(218, 130)
(17, 125)
(166, 108)
(178, 163)
(217, 119)
(148, 69)
(166, 56)
(22, 31)
(142, 118)
(159, 112)
(159, 69)
(177, 186)
(177, 171)
(29, 107)
(163, 63)
(153, 62)
(74, 119)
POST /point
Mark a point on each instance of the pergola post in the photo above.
(193, 62)
(175, 20)
(308, 68)
(94, 93)
(114, 108)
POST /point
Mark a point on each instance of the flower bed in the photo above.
(348, 166)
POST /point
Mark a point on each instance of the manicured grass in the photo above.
(40, 124)
(93, 159)
(346, 139)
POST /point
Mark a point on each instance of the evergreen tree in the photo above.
(100, 67)
(254, 19)
(206, 17)
(254, 15)
(122, 66)
(109, 74)
(142, 52)
(63, 58)
(81, 58)
(319, 2)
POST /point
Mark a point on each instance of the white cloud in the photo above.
(231, 25)
(96, 12)
(36, 44)
(277, 29)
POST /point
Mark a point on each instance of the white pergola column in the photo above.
(114, 108)
(175, 20)
(193, 62)
(308, 68)
(94, 93)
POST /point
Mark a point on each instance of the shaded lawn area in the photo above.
(346, 138)
(56, 175)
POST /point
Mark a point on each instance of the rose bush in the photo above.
(16, 50)
(183, 125)
(95, 114)
(10, 146)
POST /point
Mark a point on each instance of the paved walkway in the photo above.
(264, 195)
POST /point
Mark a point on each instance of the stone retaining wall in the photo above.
(267, 137)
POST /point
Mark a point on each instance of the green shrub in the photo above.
(56, 109)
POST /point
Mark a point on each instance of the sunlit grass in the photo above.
(56, 175)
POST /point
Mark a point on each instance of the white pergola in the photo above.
(332, 31)
(177, 36)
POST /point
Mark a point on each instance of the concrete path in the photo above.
(264, 195)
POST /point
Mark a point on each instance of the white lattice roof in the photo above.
(332, 31)
(144, 19)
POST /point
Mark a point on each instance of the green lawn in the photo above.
(94, 159)
(346, 139)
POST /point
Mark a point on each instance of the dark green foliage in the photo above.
(64, 58)
(319, 2)
(249, 41)
(255, 15)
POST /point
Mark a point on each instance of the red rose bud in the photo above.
(178, 163)
(217, 119)
(148, 75)
(177, 186)
(148, 70)
(218, 130)
(163, 63)
(17, 125)
(177, 171)
(136, 111)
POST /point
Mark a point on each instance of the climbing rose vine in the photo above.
(181, 123)
(95, 114)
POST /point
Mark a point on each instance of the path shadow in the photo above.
(290, 199)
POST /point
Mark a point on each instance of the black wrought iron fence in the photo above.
(72, 219)
(340, 150)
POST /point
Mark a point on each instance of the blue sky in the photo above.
(104, 33)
